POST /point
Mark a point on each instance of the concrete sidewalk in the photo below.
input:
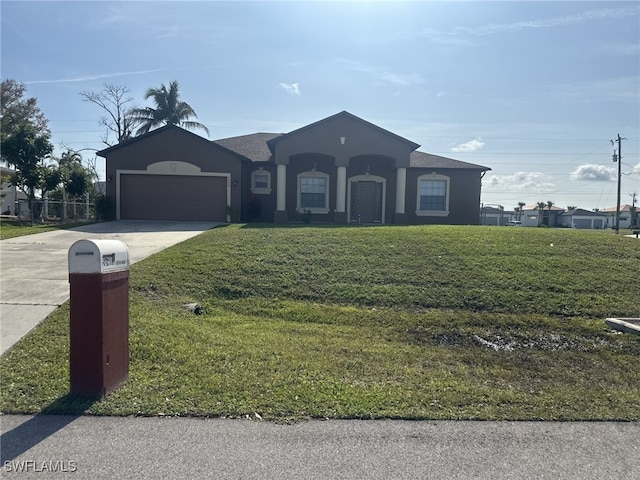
(156, 448)
(35, 278)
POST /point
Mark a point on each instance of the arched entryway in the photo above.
(366, 197)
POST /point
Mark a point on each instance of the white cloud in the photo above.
(291, 88)
(594, 173)
(580, 18)
(602, 90)
(100, 76)
(384, 76)
(470, 146)
(534, 182)
(620, 49)
(460, 36)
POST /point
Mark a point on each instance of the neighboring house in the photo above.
(490, 215)
(9, 193)
(341, 169)
(583, 219)
(532, 217)
(627, 216)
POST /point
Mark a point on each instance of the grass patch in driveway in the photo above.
(10, 228)
(369, 322)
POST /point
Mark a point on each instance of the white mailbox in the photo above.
(98, 256)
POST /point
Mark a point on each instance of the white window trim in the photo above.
(260, 191)
(317, 174)
(432, 213)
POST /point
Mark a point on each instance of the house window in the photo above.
(313, 192)
(261, 182)
(433, 195)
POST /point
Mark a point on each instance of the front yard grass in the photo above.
(433, 322)
(10, 228)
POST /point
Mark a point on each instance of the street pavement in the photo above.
(34, 278)
(37, 447)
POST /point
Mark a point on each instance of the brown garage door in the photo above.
(173, 197)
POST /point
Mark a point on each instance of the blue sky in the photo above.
(533, 90)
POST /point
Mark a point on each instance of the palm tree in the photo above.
(170, 110)
(549, 205)
(540, 207)
(520, 209)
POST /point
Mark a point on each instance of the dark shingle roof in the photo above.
(427, 160)
(253, 146)
(580, 212)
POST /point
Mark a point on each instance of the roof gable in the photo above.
(623, 208)
(153, 133)
(341, 116)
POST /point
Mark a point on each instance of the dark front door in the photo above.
(366, 202)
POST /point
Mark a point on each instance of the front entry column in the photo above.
(341, 190)
(281, 199)
(401, 190)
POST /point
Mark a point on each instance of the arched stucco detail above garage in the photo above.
(173, 168)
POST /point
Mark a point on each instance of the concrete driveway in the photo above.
(35, 278)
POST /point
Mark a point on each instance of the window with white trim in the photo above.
(433, 195)
(261, 181)
(313, 192)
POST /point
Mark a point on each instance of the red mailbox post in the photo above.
(99, 316)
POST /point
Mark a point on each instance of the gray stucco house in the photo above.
(341, 169)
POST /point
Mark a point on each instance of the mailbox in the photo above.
(99, 316)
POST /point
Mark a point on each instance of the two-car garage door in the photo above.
(173, 197)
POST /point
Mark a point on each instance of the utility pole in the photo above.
(618, 158)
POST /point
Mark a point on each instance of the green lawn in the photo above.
(10, 228)
(432, 322)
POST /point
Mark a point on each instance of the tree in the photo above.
(571, 207)
(24, 136)
(520, 209)
(169, 110)
(16, 109)
(25, 149)
(115, 101)
(76, 179)
(540, 207)
(549, 205)
(517, 211)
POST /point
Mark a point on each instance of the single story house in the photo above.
(583, 219)
(495, 215)
(341, 169)
(533, 217)
(628, 216)
(9, 194)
